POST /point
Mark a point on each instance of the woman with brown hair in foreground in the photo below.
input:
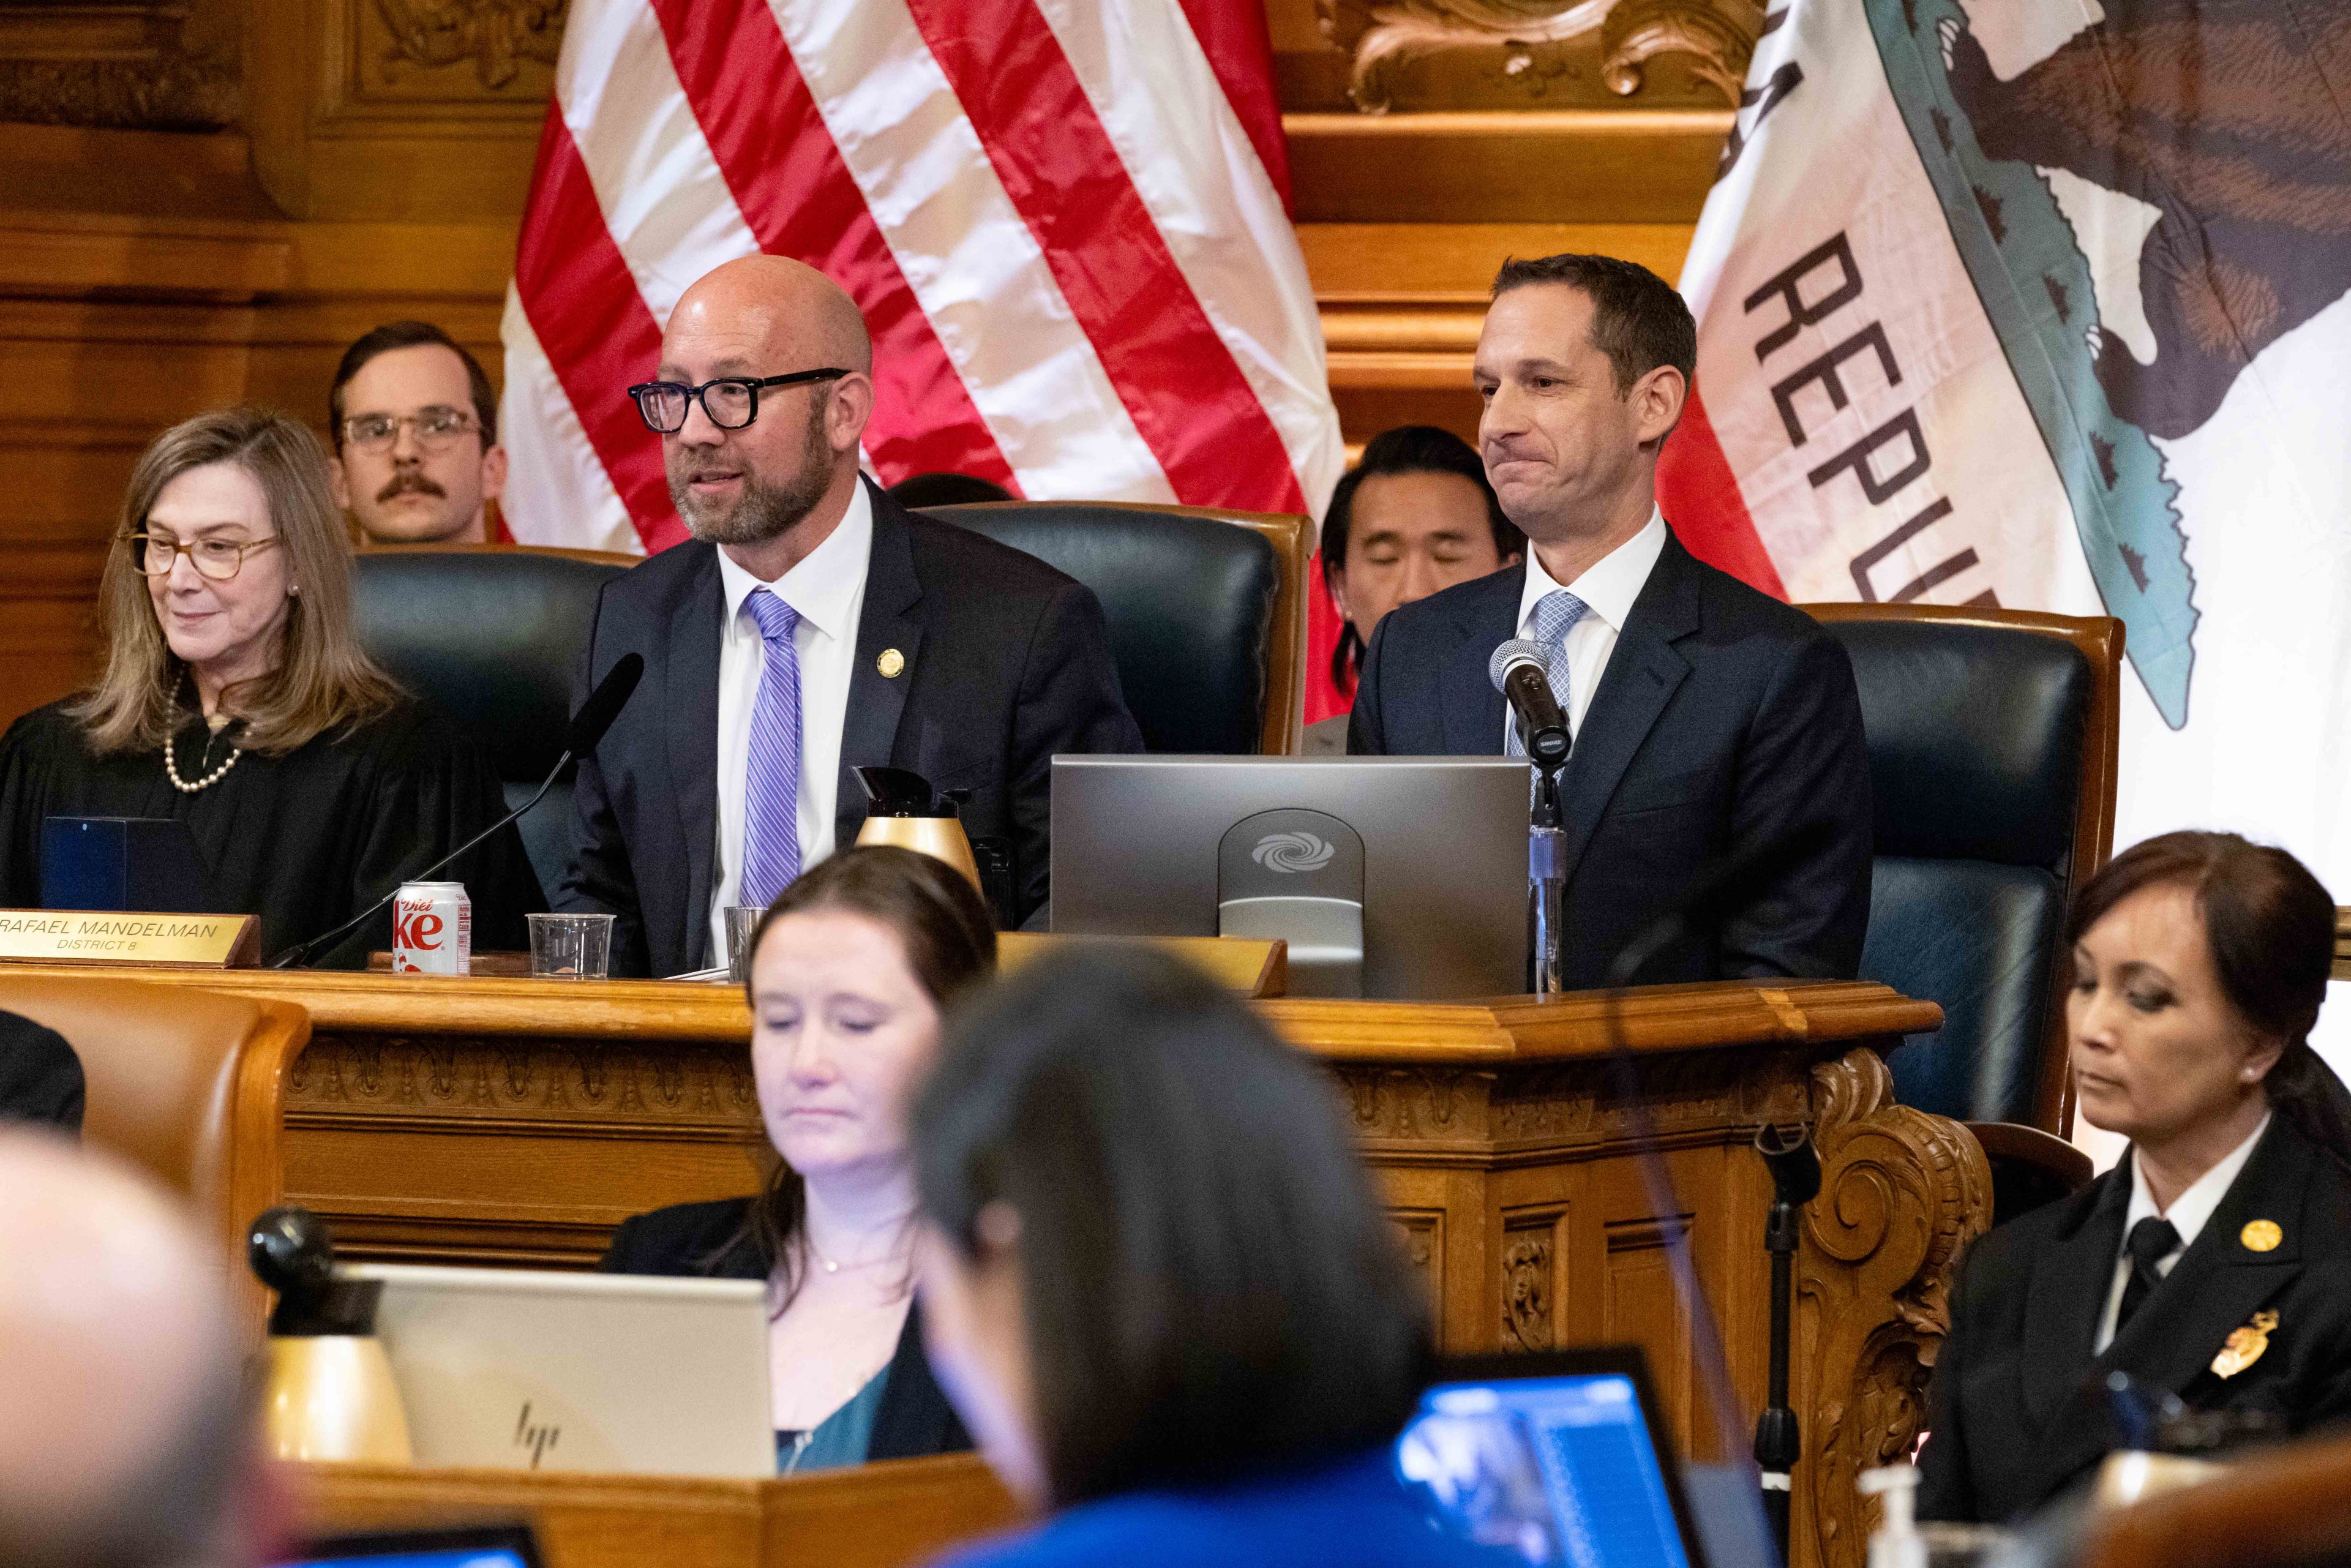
(850, 970)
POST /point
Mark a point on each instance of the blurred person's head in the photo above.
(2200, 961)
(1584, 363)
(231, 568)
(748, 465)
(1414, 515)
(415, 426)
(126, 1441)
(850, 970)
(1150, 1254)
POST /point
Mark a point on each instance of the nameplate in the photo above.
(109, 937)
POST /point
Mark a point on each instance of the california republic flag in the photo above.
(2040, 304)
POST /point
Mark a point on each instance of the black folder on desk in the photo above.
(149, 864)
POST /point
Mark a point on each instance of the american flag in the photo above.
(1065, 220)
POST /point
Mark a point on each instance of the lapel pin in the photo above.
(2245, 1345)
(2261, 1236)
(892, 661)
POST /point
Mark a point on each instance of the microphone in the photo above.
(587, 728)
(1520, 671)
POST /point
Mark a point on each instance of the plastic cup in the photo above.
(572, 946)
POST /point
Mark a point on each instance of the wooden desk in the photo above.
(897, 1512)
(514, 1121)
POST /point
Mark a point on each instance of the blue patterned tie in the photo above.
(771, 776)
(1555, 612)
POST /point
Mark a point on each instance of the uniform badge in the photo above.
(2261, 1236)
(892, 661)
(2246, 1345)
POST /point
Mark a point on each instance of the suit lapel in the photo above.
(2067, 1295)
(1643, 674)
(2217, 1284)
(1470, 711)
(691, 692)
(869, 732)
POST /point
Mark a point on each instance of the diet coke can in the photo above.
(432, 928)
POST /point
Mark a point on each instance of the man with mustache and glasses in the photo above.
(417, 459)
(811, 626)
(1711, 722)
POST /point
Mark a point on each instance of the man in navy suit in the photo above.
(812, 627)
(1711, 722)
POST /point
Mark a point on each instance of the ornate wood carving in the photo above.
(1901, 1193)
(1539, 47)
(494, 35)
(116, 64)
(546, 1085)
(1527, 1273)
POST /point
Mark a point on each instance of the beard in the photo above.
(768, 508)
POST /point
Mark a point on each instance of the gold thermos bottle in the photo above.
(903, 809)
(327, 1391)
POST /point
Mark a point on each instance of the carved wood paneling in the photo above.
(142, 64)
(1421, 1232)
(1534, 1256)
(1539, 53)
(1901, 1193)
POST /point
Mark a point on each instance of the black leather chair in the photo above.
(1991, 747)
(1207, 609)
(492, 637)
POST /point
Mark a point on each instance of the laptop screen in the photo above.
(474, 1546)
(1563, 1467)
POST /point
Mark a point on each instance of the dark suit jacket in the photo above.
(40, 1076)
(707, 1240)
(2018, 1413)
(1725, 722)
(1007, 661)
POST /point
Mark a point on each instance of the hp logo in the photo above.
(1293, 852)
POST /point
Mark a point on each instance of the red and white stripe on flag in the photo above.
(1065, 222)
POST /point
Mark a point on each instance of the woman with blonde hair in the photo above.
(236, 699)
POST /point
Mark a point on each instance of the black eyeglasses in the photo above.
(731, 402)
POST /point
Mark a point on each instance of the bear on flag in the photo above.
(2044, 304)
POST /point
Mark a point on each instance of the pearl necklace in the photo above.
(171, 769)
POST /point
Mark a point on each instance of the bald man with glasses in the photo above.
(811, 626)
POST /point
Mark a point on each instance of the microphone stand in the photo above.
(1795, 1167)
(301, 950)
(1547, 883)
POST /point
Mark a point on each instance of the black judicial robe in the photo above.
(2018, 1414)
(304, 840)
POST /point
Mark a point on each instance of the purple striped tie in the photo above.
(771, 777)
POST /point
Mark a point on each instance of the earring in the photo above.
(295, 592)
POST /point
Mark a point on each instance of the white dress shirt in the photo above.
(827, 591)
(2187, 1214)
(1607, 588)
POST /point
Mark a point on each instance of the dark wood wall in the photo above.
(202, 201)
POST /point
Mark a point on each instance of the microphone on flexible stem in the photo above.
(1520, 671)
(588, 727)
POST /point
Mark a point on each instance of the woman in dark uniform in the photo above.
(849, 969)
(2213, 1262)
(236, 699)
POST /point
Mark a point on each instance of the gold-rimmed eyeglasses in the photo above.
(216, 560)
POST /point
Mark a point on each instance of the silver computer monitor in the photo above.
(530, 1369)
(1389, 876)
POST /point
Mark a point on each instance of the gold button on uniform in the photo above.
(2261, 1236)
(889, 664)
